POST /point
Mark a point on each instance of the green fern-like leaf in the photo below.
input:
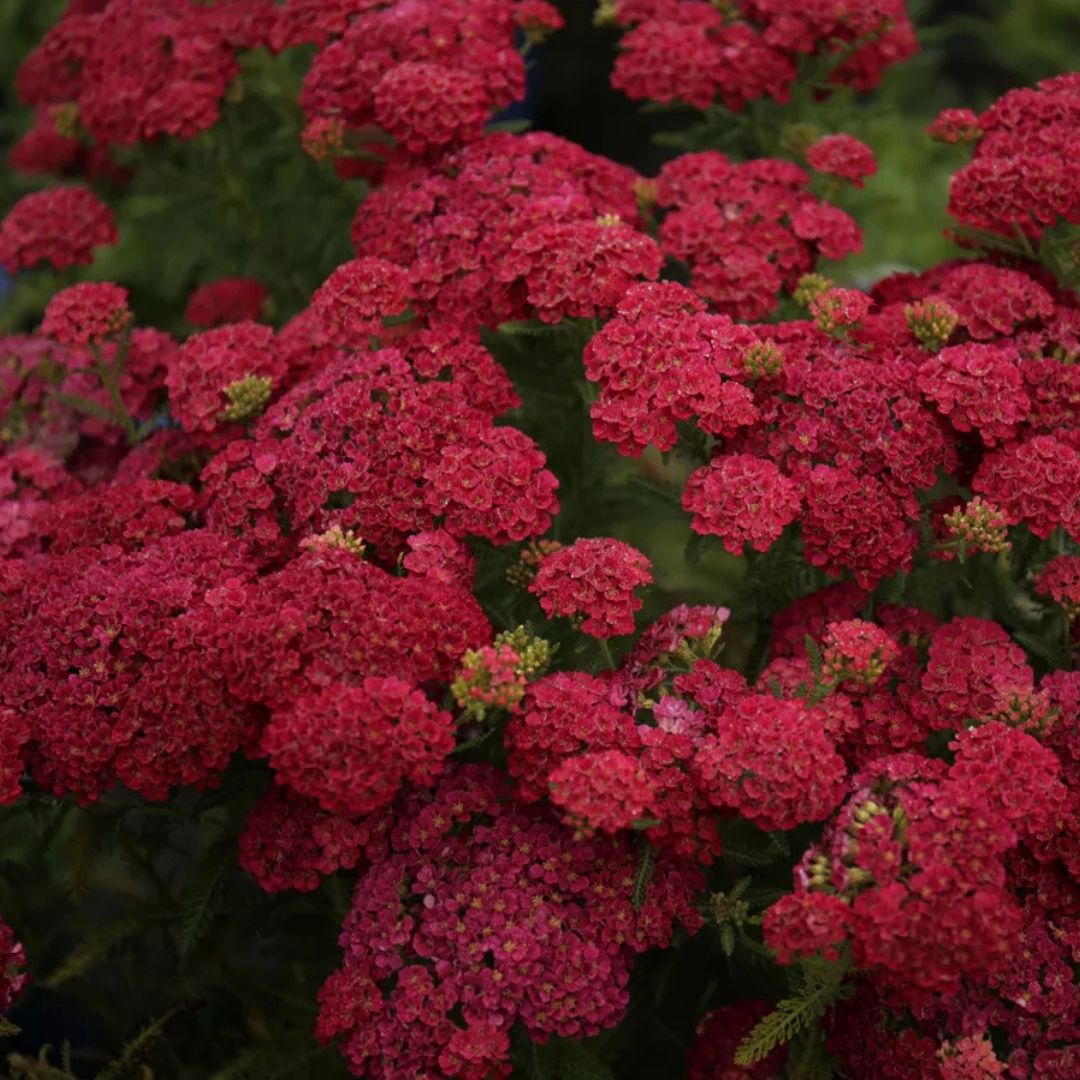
(813, 654)
(88, 953)
(642, 876)
(822, 985)
(197, 916)
(136, 1050)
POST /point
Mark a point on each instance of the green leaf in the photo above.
(822, 986)
(88, 953)
(197, 916)
(813, 654)
(643, 875)
(141, 1045)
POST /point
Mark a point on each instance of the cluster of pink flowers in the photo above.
(61, 226)
(747, 231)
(700, 53)
(530, 925)
(428, 76)
(1019, 176)
(135, 69)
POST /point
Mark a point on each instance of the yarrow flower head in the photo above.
(607, 790)
(856, 650)
(932, 321)
(978, 388)
(955, 126)
(490, 678)
(534, 653)
(835, 310)
(1060, 580)
(977, 525)
(535, 927)
(970, 1058)
(772, 762)
(227, 300)
(593, 582)
(223, 374)
(351, 747)
(61, 226)
(323, 136)
(743, 500)
(842, 156)
(13, 976)
(353, 301)
(86, 314)
(335, 537)
(290, 842)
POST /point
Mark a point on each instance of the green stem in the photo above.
(109, 374)
(605, 650)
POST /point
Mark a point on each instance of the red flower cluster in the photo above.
(772, 762)
(351, 747)
(1019, 176)
(12, 959)
(743, 500)
(842, 156)
(531, 926)
(206, 371)
(698, 53)
(1060, 580)
(462, 230)
(136, 69)
(266, 542)
(749, 231)
(593, 581)
(661, 360)
(61, 226)
(428, 76)
(227, 300)
(290, 842)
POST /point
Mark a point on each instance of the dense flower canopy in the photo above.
(538, 576)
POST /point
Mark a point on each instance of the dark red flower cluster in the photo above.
(743, 500)
(842, 156)
(278, 542)
(382, 445)
(140, 68)
(747, 231)
(911, 871)
(1019, 177)
(351, 747)
(471, 231)
(772, 762)
(116, 664)
(695, 52)
(528, 924)
(428, 76)
(662, 360)
(290, 842)
(86, 314)
(1060, 580)
(61, 226)
(208, 375)
(350, 305)
(227, 300)
(593, 582)
(13, 978)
